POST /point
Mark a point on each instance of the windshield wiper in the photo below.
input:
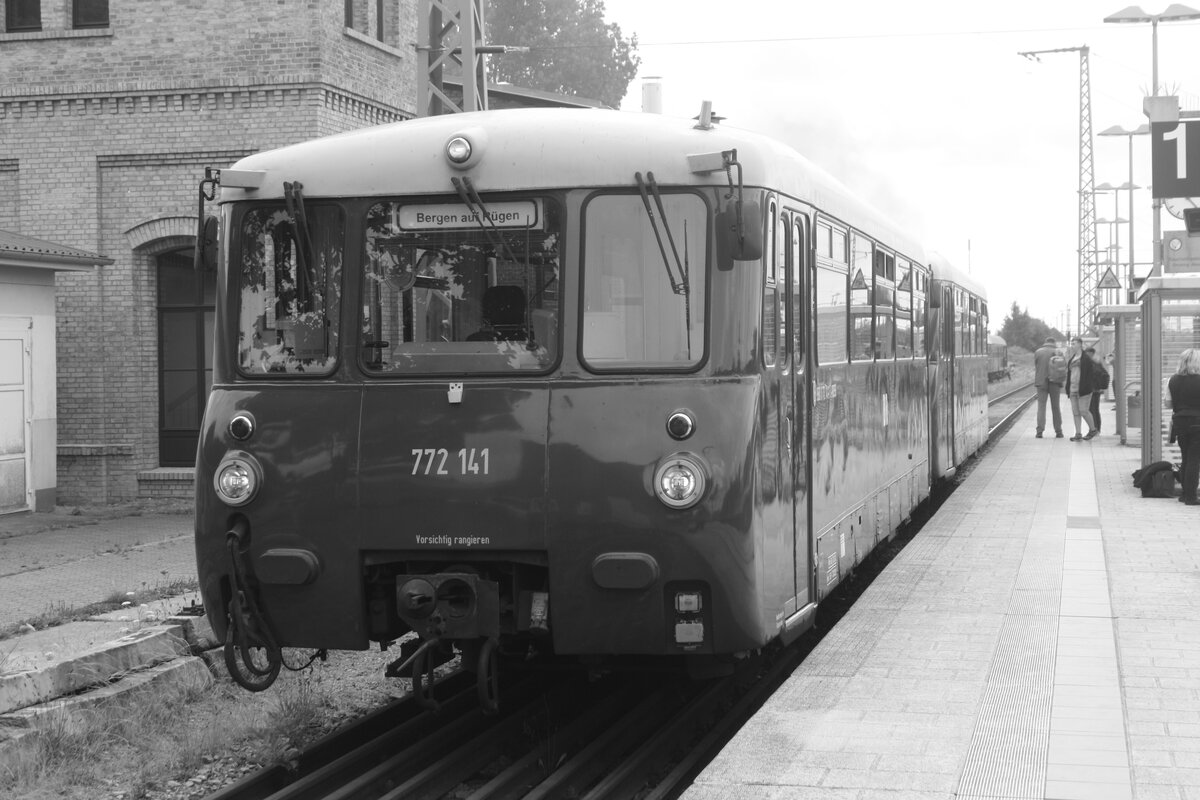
(294, 199)
(682, 286)
(495, 237)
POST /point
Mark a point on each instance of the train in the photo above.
(998, 366)
(582, 385)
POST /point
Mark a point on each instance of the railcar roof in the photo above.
(943, 270)
(553, 148)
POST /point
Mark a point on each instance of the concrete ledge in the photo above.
(189, 673)
(93, 667)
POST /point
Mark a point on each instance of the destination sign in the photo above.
(448, 216)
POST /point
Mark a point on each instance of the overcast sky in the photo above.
(929, 113)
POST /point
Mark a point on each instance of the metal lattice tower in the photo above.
(436, 19)
(1088, 276)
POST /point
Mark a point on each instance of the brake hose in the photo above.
(248, 630)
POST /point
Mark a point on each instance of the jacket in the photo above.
(1086, 385)
(1041, 364)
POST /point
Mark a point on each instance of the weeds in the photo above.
(60, 614)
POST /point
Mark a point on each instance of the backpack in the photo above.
(1100, 378)
(1156, 480)
(1058, 368)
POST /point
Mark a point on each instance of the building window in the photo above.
(22, 15)
(89, 13)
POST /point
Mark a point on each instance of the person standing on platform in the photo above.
(1079, 389)
(1048, 383)
(1100, 380)
(1184, 388)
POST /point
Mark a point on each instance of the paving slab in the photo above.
(1038, 640)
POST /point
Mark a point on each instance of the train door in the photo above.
(799, 418)
(941, 422)
(779, 539)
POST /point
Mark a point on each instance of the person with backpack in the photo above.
(1100, 381)
(1184, 388)
(1049, 374)
(1079, 389)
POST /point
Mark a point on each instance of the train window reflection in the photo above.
(644, 301)
(863, 346)
(446, 294)
(290, 286)
(831, 309)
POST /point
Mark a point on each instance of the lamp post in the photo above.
(1176, 12)
(1117, 130)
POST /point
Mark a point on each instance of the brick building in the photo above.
(109, 112)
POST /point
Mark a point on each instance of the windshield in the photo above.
(644, 281)
(444, 294)
(290, 294)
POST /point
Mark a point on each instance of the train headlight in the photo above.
(237, 479)
(680, 481)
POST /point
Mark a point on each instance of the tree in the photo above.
(1021, 330)
(571, 49)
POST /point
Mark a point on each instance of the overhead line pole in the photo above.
(1088, 274)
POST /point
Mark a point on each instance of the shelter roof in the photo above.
(26, 251)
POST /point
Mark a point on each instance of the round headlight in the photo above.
(237, 479)
(458, 150)
(679, 481)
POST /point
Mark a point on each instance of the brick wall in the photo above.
(106, 134)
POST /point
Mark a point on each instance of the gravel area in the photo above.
(187, 743)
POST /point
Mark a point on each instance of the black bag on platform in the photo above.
(1156, 480)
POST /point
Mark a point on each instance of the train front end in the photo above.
(461, 394)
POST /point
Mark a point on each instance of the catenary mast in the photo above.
(1088, 276)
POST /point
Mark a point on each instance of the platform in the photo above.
(1039, 638)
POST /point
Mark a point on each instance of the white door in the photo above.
(16, 415)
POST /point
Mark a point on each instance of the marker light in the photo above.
(680, 425)
(458, 150)
(464, 149)
(241, 427)
(237, 479)
(679, 481)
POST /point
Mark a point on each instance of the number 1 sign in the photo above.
(1175, 158)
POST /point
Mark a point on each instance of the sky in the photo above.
(927, 111)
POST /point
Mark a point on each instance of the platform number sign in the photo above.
(1175, 158)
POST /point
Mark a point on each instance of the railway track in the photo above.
(1004, 409)
(562, 733)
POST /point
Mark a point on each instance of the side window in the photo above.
(862, 345)
(904, 347)
(918, 311)
(798, 264)
(883, 298)
(824, 241)
(830, 308)
(770, 308)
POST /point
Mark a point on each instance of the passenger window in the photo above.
(884, 302)
(771, 318)
(798, 321)
(903, 308)
(824, 242)
(839, 246)
(862, 340)
(830, 308)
